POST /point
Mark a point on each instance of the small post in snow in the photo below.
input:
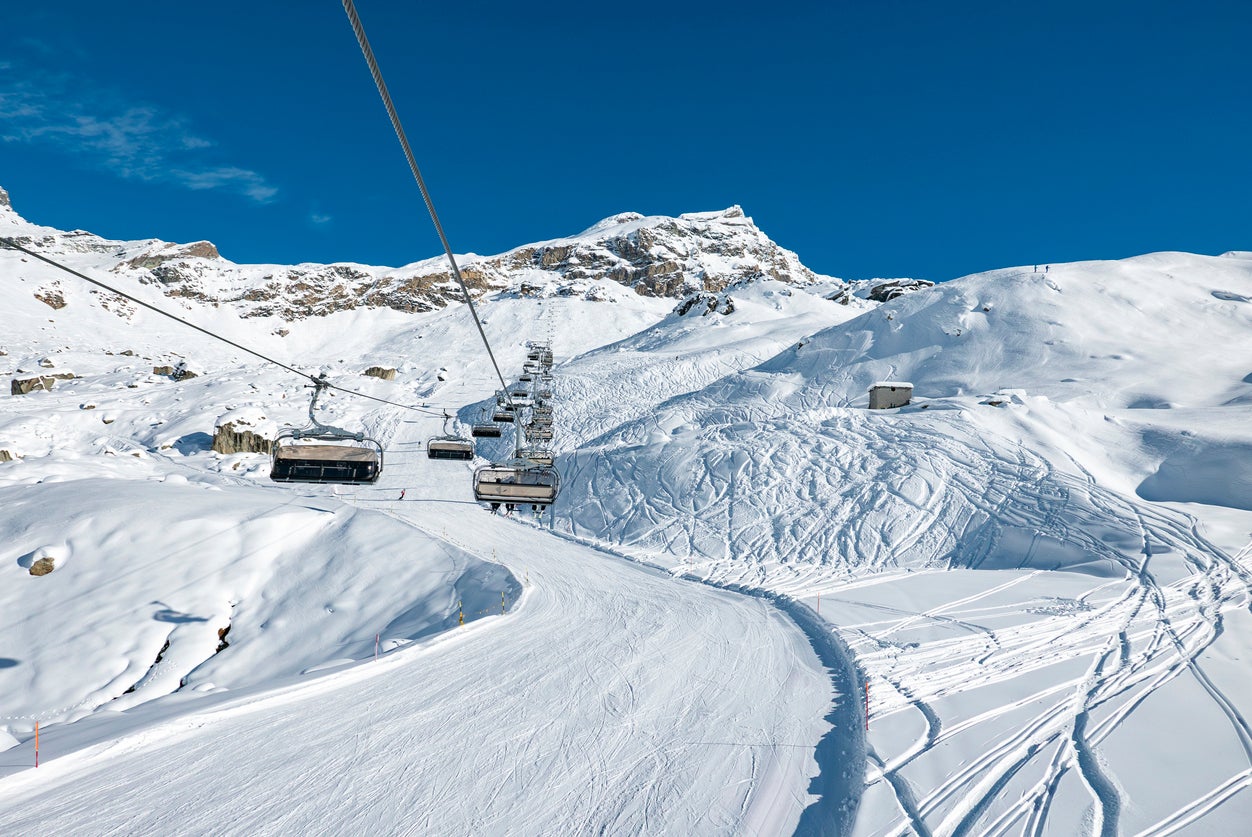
(376, 639)
(867, 706)
(819, 604)
(36, 743)
(502, 603)
(461, 607)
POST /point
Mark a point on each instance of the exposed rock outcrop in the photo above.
(25, 386)
(705, 304)
(245, 430)
(43, 566)
(878, 290)
(386, 373)
(52, 297)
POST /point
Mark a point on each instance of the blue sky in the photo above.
(875, 139)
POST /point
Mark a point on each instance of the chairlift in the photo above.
(540, 433)
(540, 456)
(504, 414)
(525, 377)
(485, 428)
(449, 445)
(294, 460)
(516, 482)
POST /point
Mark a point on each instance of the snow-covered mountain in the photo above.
(1085, 432)
(650, 256)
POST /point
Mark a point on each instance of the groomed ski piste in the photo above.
(1019, 605)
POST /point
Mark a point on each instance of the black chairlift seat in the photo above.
(489, 431)
(350, 464)
(349, 459)
(517, 481)
(504, 415)
(450, 447)
(525, 378)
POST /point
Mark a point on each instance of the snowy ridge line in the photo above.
(838, 790)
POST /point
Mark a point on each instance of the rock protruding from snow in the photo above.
(25, 386)
(384, 373)
(654, 256)
(244, 430)
(879, 290)
(705, 303)
(162, 252)
(663, 256)
(4, 198)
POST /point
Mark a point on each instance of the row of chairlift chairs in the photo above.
(528, 477)
(322, 453)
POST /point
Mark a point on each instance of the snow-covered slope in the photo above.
(1119, 368)
(1084, 432)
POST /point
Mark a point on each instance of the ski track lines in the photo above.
(803, 514)
(614, 700)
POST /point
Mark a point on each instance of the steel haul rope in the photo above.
(359, 30)
(13, 245)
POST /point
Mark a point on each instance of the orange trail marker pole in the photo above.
(36, 743)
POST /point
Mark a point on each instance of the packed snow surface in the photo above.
(1019, 605)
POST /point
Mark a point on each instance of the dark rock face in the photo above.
(705, 304)
(52, 297)
(385, 373)
(24, 386)
(229, 439)
(655, 257)
(878, 290)
(888, 291)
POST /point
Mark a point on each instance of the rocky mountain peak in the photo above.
(4, 198)
(656, 256)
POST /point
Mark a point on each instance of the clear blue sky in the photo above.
(874, 138)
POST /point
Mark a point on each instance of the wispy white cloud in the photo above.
(139, 142)
(319, 219)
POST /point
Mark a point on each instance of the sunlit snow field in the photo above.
(1032, 583)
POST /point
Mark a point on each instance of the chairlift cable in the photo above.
(368, 52)
(13, 245)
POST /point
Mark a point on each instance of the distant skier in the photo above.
(402, 493)
(1045, 268)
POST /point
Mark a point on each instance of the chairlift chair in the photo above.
(485, 428)
(540, 456)
(449, 445)
(516, 482)
(358, 461)
(540, 433)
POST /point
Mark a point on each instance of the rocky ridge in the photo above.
(691, 255)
